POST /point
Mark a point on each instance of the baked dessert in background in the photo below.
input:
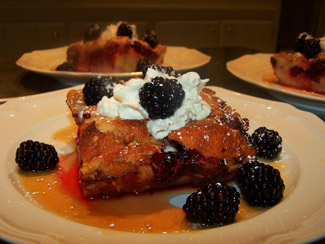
(305, 67)
(154, 133)
(114, 50)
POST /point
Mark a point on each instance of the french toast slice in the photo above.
(120, 156)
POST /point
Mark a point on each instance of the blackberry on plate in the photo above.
(161, 97)
(92, 32)
(307, 45)
(151, 38)
(96, 88)
(36, 156)
(142, 65)
(260, 184)
(268, 142)
(124, 29)
(66, 66)
(212, 205)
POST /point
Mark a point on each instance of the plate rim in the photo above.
(64, 74)
(231, 67)
(304, 116)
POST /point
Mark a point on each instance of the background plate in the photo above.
(45, 61)
(254, 68)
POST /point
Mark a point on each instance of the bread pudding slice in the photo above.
(297, 71)
(118, 156)
(114, 55)
(115, 50)
(305, 67)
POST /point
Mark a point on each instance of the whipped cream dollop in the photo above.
(111, 31)
(125, 103)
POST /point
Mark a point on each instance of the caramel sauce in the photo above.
(58, 191)
(68, 134)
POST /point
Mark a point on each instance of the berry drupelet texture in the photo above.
(151, 38)
(124, 29)
(96, 88)
(92, 32)
(161, 97)
(212, 205)
(260, 184)
(168, 70)
(36, 156)
(268, 142)
(307, 45)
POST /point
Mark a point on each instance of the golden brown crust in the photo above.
(212, 139)
(219, 136)
(76, 103)
(120, 156)
(114, 147)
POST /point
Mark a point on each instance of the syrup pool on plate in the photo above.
(156, 212)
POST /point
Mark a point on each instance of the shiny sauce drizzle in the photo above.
(58, 191)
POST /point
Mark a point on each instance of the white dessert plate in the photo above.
(45, 61)
(298, 218)
(257, 70)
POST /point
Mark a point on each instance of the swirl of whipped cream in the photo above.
(125, 103)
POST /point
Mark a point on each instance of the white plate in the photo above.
(298, 218)
(45, 61)
(256, 68)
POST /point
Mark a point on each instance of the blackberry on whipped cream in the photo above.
(112, 30)
(308, 45)
(125, 103)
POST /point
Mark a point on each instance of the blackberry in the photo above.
(168, 70)
(161, 97)
(124, 29)
(96, 88)
(212, 205)
(268, 142)
(66, 66)
(316, 69)
(260, 184)
(142, 65)
(92, 32)
(151, 38)
(307, 45)
(36, 156)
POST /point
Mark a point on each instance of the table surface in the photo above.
(15, 82)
